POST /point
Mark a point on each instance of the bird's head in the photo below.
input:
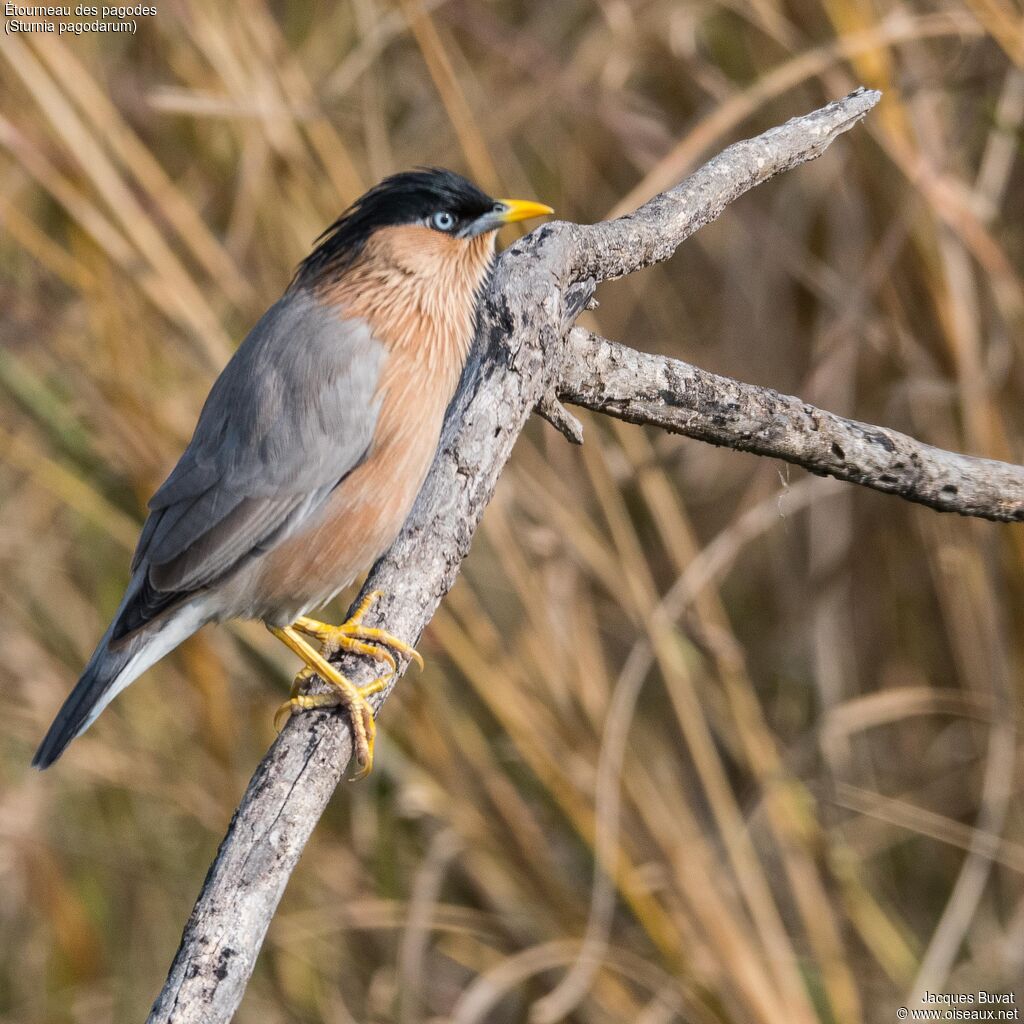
(426, 214)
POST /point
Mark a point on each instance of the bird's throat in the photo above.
(418, 290)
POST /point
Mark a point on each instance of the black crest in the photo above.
(407, 198)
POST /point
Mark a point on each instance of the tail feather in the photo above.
(100, 676)
(110, 670)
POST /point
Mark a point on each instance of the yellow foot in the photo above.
(356, 638)
(345, 694)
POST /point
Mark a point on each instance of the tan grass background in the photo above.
(701, 738)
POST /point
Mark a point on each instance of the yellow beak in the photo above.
(521, 209)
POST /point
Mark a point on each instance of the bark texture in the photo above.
(527, 355)
(643, 388)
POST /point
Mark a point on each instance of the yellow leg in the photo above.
(346, 694)
(353, 636)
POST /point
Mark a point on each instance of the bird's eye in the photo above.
(443, 220)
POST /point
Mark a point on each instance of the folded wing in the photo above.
(291, 415)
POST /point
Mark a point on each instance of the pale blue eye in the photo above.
(443, 220)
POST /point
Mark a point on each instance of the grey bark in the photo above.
(525, 356)
(642, 388)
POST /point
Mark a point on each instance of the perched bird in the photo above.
(311, 447)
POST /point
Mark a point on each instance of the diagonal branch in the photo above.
(523, 355)
(653, 232)
(662, 392)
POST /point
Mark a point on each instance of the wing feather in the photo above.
(291, 415)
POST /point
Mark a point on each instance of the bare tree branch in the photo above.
(524, 357)
(643, 388)
(653, 232)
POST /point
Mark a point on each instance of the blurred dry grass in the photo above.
(700, 739)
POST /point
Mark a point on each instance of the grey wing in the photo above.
(291, 415)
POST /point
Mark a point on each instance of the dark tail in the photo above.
(99, 677)
(110, 670)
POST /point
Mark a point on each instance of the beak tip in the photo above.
(523, 209)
